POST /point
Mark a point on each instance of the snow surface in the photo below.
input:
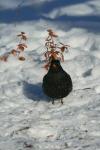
(28, 120)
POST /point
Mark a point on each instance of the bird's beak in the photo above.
(54, 66)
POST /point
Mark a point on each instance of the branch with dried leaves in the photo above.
(17, 52)
(53, 50)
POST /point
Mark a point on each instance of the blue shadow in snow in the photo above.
(91, 23)
(34, 92)
(33, 12)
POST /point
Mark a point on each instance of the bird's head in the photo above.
(55, 66)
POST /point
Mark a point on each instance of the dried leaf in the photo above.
(4, 58)
(47, 66)
(51, 33)
(62, 57)
(22, 32)
(14, 52)
(21, 58)
(21, 46)
(24, 45)
(62, 48)
(24, 37)
(64, 44)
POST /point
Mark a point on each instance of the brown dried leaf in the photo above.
(51, 33)
(14, 52)
(24, 37)
(22, 32)
(4, 58)
(21, 58)
(47, 66)
(62, 57)
(21, 46)
(62, 48)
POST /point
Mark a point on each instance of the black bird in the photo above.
(57, 84)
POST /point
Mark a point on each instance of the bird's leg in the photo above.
(52, 101)
(61, 101)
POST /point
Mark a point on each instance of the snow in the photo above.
(78, 9)
(28, 120)
(91, 7)
(10, 4)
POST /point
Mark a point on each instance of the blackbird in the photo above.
(57, 84)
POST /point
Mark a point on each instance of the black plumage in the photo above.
(57, 84)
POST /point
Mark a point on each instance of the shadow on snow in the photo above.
(33, 13)
(34, 92)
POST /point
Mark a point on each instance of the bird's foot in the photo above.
(53, 101)
(62, 101)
